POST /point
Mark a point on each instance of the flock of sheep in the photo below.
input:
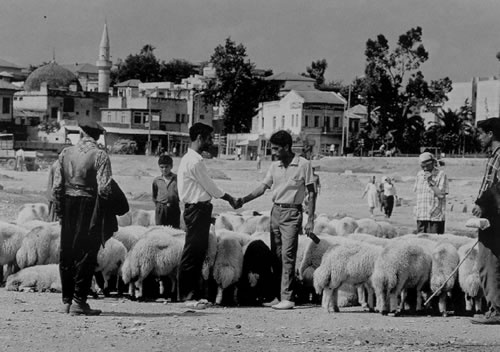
(362, 260)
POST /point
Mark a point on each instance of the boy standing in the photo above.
(165, 194)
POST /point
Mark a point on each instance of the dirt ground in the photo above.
(30, 321)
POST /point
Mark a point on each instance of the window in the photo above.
(262, 122)
(202, 117)
(306, 121)
(137, 117)
(178, 118)
(183, 118)
(123, 117)
(283, 121)
(87, 112)
(68, 105)
(336, 121)
(274, 122)
(6, 105)
(316, 121)
(53, 113)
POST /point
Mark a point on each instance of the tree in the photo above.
(236, 87)
(317, 71)
(398, 97)
(143, 66)
(176, 69)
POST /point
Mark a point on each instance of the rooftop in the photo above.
(287, 76)
(317, 96)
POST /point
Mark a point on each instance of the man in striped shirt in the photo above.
(489, 239)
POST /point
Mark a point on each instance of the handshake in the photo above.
(236, 203)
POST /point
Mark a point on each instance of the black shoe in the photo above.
(83, 309)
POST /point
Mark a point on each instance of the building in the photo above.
(11, 72)
(87, 75)
(313, 117)
(290, 81)
(104, 63)
(7, 91)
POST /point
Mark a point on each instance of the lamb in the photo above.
(38, 278)
(444, 260)
(344, 226)
(254, 224)
(349, 263)
(468, 278)
(256, 284)
(228, 265)
(30, 225)
(143, 217)
(264, 236)
(228, 221)
(400, 266)
(11, 238)
(242, 238)
(129, 235)
(157, 253)
(323, 226)
(109, 261)
(125, 219)
(456, 241)
(40, 246)
(369, 226)
(32, 211)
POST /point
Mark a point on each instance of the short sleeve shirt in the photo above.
(288, 184)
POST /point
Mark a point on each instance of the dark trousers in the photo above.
(489, 272)
(168, 215)
(198, 219)
(388, 205)
(286, 224)
(78, 250)
(424, 226)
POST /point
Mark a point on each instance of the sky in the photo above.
(462, 36)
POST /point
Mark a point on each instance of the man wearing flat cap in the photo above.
(83, 174)
(431, 187)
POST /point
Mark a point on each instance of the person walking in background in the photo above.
(372, 195)
(431, 188)
(50, 196)
(389, 196)
(20, 161)
(488, 259)
(290, 177)
(258, 162)
(196, 190)
(83, 175)
(165, 195)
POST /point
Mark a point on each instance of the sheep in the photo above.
(228, 221)
(242, 238)
(125, 219)
(228, 264)
(129, 235)
(468, 278)
(143, 217)
(38, 278)
(157, 253)
(264, 236)
(456, 241)
(344, 226)
(323, 226)
(400, 266)
(11, 238)
(445, 259)
(387, 230)
(109, 260)
(40, 246)
(30, 225)
(368, 226)
(363, 237)
(349, 263)
(32, 211)
(256, 282)
(254, 224)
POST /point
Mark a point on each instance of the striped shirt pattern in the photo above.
(428, 206)
(491, 173)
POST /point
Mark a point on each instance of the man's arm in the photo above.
(155, 191)
(440, 188)
(200, 172)
(104, 174)
(256, 193)
(311, 209)
(58, 187)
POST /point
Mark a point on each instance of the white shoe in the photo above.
(284, 304)
(272, 303)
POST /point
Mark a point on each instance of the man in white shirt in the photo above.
(20, 160)
(196, 189)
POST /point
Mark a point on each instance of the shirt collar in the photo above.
(496, 151)
(294, 162)
(194, 153)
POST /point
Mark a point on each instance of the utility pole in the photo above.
(345, 133)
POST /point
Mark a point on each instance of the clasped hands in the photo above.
(236, 203)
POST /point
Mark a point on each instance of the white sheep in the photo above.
(38, 278)
(344, 226)
(264, 236)
(387, 230)
(109, 261)
(129, 235)
(444, 260)
(228, 221)
(32, 211)
(349, 263)
(35, 223)
(468, 277)
(254, 224)
(400, 266)
(40, 246)
(323, 226)
(364, 237)
(125, 219)
(208, 262)
(368, 226)
(228, 264)
(11, 238)
(456, 241)
(242, 238)
(158, 253)
(143, 217)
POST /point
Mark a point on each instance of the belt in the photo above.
(289, 206)
(199, 203)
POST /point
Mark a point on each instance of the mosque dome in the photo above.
(55, 76)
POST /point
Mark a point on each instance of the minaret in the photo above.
(104, 64)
